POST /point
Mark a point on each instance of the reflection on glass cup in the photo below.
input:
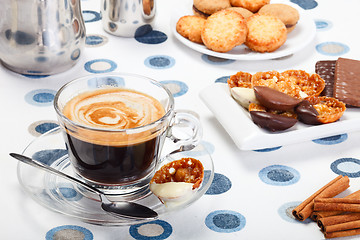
(128, 18)
(114, 127)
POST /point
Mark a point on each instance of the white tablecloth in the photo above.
(252, 192)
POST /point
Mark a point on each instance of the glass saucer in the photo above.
(65, 197)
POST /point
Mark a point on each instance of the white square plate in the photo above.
(248, 136)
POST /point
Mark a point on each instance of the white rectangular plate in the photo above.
(247, 136)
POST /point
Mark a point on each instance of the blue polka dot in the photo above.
(285, 212)
(40, 97)
(139, 231)
(159, 62)
(142, 30)
(44, 127)
(40, 127)
(100, 66)
(219, 185)
(279, 175)
(43, 97)
(63, 232)
(322, 25)
(305, 4)
(34, 75)
(153, 37)
(332, 48)
(49, 156)
(91, 16)
(225, 221)
(336, 139)
(114, 81)
(95, 40)
(41, 59)
(68, 192)
(20, 37)
(223, 79)
(216, 60)
(75, 54)
(267, 149)
(177, 88)
(347, 167)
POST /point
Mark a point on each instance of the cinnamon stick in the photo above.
(322, 214)
(333, 188)
(326, 222)
(337, 204)
(345, 233)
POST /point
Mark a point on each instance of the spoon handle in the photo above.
(47, 168)
(118, 209)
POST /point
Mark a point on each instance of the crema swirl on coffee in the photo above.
(113, 108)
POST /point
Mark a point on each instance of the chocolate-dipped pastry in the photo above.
(274, 99)
(307, 113)
(271, 121)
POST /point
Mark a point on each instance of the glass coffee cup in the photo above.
(115, 126)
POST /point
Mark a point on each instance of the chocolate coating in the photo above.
(272, 122)
(307, 113)
(326, 70)
(274, 99)
(346, 82)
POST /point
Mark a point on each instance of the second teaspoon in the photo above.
(122, 209)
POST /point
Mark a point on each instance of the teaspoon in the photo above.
(123, 209)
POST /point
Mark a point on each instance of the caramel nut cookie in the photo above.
(204, 8)
(287, 14)
(190, 27)
(224, 30)
(266, 33)
(251, 5)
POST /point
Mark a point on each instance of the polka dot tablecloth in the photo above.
(253, 192)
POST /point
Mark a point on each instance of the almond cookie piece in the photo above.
(287, 14)
(177, 180)
(190, 27)
(224, 30)
(204, 8)
(251, 5)
(266, 33)
(275, 80)
(310, 84)
(330, 109)
(240, 79)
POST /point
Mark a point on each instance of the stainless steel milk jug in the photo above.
(41, 37)
(128, 18)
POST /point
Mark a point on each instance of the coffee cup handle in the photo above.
(185, 131)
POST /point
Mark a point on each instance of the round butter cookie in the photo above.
(251, 5)
(243, 11)
(266, 33)
(287, 14)
(224, 30)
(204, 8)
(190, 27)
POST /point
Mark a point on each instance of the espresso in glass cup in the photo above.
(115, 126)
